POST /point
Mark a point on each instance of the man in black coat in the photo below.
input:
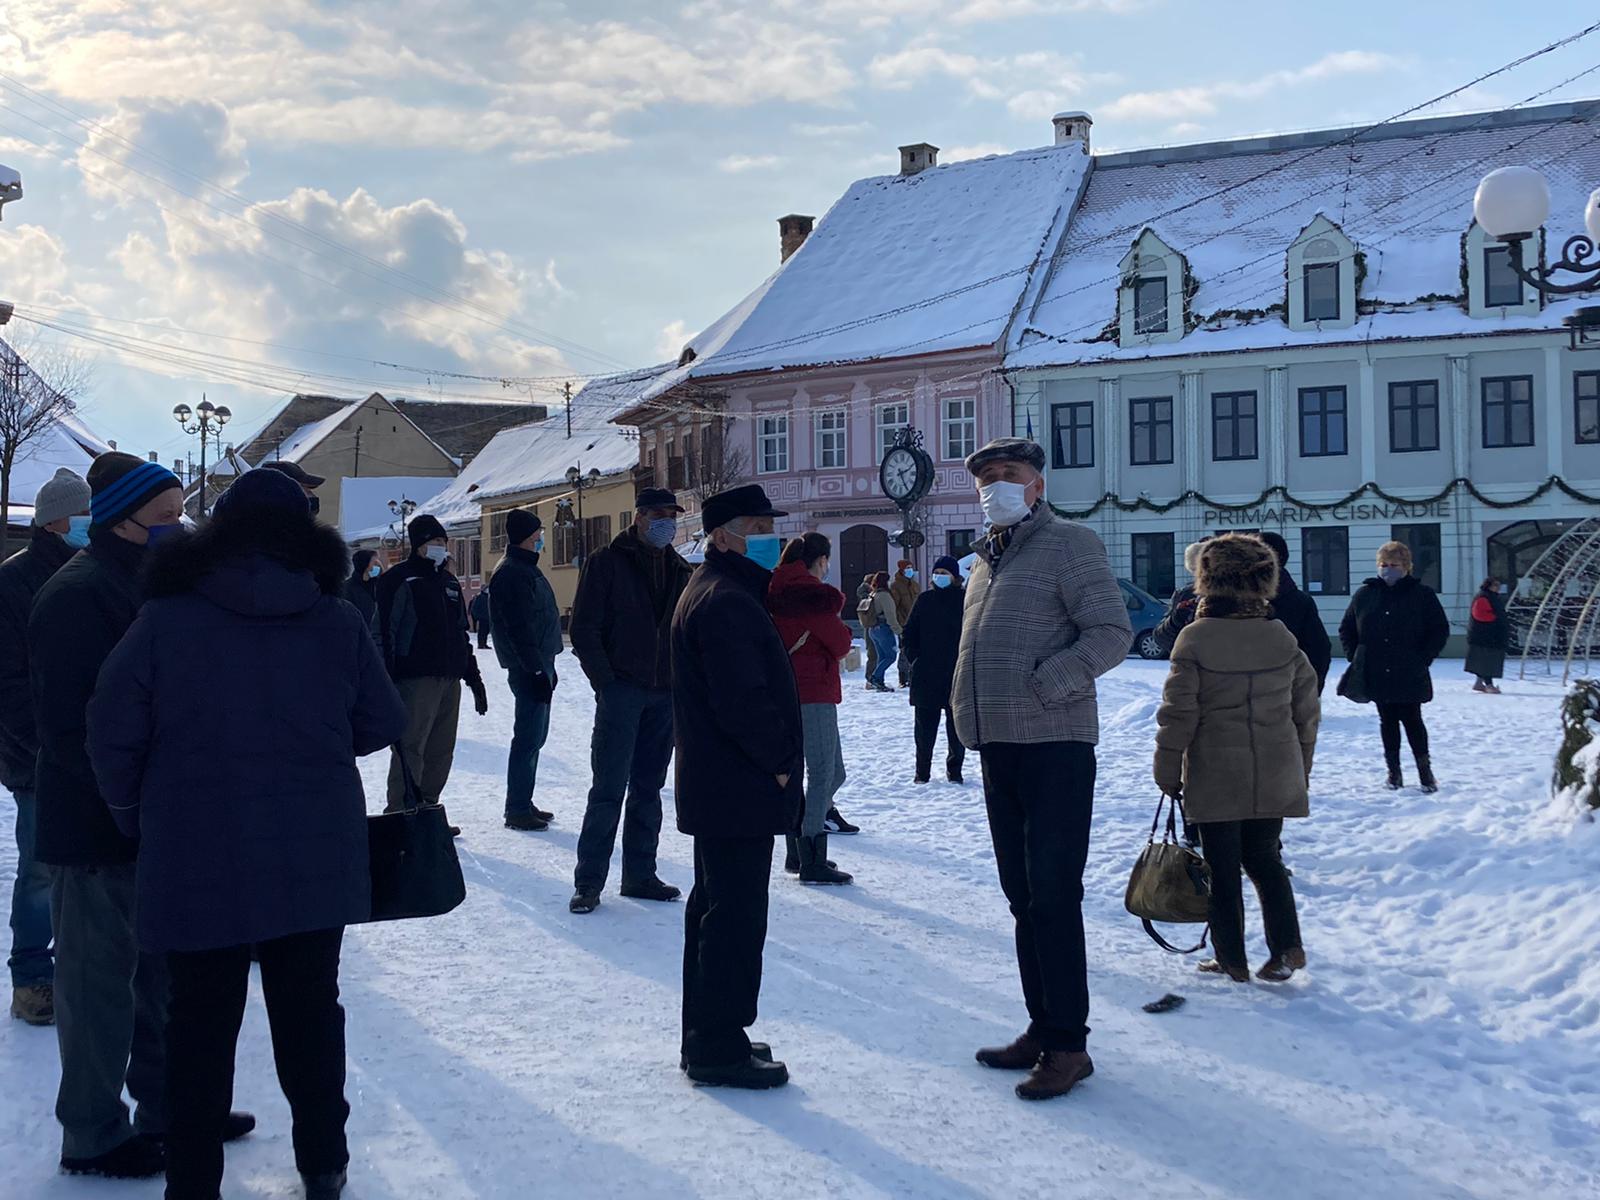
(482, 622)
(736, 721)
(1299, 613)
(527, 642)
(110, 999)
(60, 529)
(421, 622)
(361, 589)
(621, 630)
(931, 641)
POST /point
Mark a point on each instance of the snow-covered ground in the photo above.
(1442, 1044)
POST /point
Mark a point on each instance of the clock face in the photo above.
(900, 471)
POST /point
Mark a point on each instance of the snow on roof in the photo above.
(364, 502)
(307, 438)
(68, 443)
(900, 265)
(606, 396)
(1403, 195)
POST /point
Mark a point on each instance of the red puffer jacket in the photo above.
(801, 603)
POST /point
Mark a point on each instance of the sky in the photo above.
(244, 200)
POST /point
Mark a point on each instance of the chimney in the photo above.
(154, 457)
(918, 158)
(793, 230)
(1072, 128)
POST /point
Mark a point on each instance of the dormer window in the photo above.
(1150, 302)
(1322, 278)
(1493, 289)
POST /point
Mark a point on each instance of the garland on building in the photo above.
(1554, 483)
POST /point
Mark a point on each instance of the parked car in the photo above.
(1145, 612)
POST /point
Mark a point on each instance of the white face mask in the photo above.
(436, 554)
(1004, 503)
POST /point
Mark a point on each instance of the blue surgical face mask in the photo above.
(1391, 575)
(763, 549)
(661, 531)
(911, 572)
(374, 571)
(538, 545)
(941, 580)
(158, 533)
(77, 534)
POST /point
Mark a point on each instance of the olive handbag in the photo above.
(1170, 882)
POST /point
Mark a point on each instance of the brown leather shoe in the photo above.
(1020, 1055)
(1212, 966)
(35, 1004)
(1058, 1072)
(1281, 966)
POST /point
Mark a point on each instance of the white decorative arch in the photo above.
(1322, 247)
(1149, 266)
(1475, 246)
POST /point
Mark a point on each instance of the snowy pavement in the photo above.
(1442, 1044)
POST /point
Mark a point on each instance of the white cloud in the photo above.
(1204, 100)
(671, 340)
(810, 130)
(738, 164)
(979, 150)
(185, 145)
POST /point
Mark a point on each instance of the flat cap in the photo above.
(1022, 450)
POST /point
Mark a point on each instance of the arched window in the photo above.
(1152, 299)
(1322, 269)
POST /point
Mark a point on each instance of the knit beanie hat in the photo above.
(521, 525)
(259, 492)
(121, 484)
(424, 529)
(1237, 566)
(65, 494)
(946, 563)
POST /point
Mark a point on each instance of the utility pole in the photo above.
(566, 390)
(355, 471)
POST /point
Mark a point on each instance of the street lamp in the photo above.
(579, 482)
(10, 186)
(401, 510)
(1511, 204)
(207, 421)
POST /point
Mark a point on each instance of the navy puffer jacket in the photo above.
(224, 733)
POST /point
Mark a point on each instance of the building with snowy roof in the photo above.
(1310, 334)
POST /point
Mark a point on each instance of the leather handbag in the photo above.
(1170, 882)
(1353, 683)
(415, 871)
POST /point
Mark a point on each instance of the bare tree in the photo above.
(39, 386)
(720, 465)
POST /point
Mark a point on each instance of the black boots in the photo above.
(834, 823)
(814, 864)
(1425, 774)
(324, 1187)
(791, 854)
(139, 1157)
(1395, 780)
(651, 889)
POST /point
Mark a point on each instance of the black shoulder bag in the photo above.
(1170, 882)
(415, 871)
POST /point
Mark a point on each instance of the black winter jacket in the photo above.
(618, 631)
(1398, 632)
(78, 618)
(21, 577)
(527, 626)
(1180, 611)
(1492, 635)
(363, 595)
(257, 829)
(929, 644)
(422, 623)
(1300, 616)
(736, 710)
(478, 610)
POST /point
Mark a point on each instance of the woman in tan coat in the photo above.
(1238, 723)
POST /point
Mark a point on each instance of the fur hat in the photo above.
(1237, 566)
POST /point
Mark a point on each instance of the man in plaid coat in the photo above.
(1044, 618)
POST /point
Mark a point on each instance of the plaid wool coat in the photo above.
(1039, 627)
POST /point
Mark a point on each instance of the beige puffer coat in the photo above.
(1238, 721)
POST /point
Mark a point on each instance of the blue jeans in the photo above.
(530, 728)
(631, 749)
(31, 961)
(888, 650)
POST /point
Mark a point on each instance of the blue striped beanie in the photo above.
(121, 484)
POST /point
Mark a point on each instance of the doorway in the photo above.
(862, 549)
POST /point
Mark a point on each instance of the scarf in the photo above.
(1234, 608)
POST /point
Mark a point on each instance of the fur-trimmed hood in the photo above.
(263, 566)
(795, 592)
(1237, 567)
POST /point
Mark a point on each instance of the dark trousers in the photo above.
(530, 727)
(31, 961)
(927, 731)
(300, 983)
(629, 753)
(725, 932)
(483, 637)
(433, 709)
(111, 1006)
(1253, 846)
(1391, 719)
(1040, 799)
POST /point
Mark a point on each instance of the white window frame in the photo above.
(887, 431)
(1322, 244)
(948, 423)
(1476, 243)
(772, 432)
(831, 458)
(1149, 259)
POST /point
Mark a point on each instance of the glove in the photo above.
(480, 696)
(543, 689)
